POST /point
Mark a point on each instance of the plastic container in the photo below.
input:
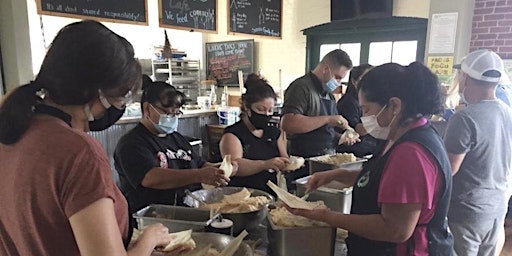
(228, 115)
(204, 102)
(213, 95)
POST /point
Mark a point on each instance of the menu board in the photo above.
(256, 17)
(193, 15)
(225, 59)
(120, 11)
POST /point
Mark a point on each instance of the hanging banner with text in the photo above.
(256, 17)
(192, 15)
(118, 11)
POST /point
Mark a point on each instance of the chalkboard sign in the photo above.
(120, 11)
(256, 17)
(196, 15)
(224, 59)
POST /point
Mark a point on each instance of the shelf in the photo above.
(183, 74)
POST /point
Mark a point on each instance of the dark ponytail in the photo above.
(84, 57)
(426, 96)
(16, 112)
(257, 89)
(160, 92)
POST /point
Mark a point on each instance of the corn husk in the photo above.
(233, 245)
(292, 200)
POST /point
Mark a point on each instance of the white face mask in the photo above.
(88, 114)
(462, 97)
(371, 124)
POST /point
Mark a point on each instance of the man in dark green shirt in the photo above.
(309, 112)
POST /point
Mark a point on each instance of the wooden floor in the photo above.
(507, 249)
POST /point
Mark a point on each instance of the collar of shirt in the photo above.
(318, 85)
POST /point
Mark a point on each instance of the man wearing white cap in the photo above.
(478, 140)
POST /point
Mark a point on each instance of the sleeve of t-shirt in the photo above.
(89, 178)
(295, 100)
(134, 159)
(457, 139)
(409, 176)
(349, 109)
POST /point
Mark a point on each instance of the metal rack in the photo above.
(182, 74)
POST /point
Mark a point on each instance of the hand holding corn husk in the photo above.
(296, 162)
(349, 137)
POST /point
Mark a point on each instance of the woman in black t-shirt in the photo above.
(259, 149)
(155, 162)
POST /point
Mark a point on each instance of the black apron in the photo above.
(55, 112)
(320, 141)
(365, 194)
(314, 143)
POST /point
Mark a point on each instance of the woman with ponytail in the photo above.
(258, 148)
(401, 195)
(57, 192)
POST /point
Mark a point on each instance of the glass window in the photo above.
(404, 52)
(326, 48)
(380, 53)
(354, 51)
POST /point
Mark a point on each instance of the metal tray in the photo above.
(175, 218)
(241, 221)
(300, 241)
(335, 195)
(315, 165)
(218, 242)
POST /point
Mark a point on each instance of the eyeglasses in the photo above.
(162, 111)
(119, 101)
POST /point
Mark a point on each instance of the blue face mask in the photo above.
(166, 124)
(332, 84)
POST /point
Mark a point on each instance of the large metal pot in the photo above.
(241, 221)
(218, 242)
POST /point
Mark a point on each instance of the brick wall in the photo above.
(492, 27)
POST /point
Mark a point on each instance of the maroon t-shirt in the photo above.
(51, 173)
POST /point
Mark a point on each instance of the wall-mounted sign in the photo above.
(255, 17)
(225, 59)
(196, 15)
(440, 65)
(443, 29)
(132, 12)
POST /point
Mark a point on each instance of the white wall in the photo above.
(143, 38)
(286, 54)
(15, 43)
(412, 8)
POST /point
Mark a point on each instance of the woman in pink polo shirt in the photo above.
(400, 197)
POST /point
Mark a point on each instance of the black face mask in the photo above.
(111, 116)
(259, 121)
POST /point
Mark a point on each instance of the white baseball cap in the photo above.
(484, 65)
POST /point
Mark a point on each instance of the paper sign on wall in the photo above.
(443, 29)
(441, 65)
